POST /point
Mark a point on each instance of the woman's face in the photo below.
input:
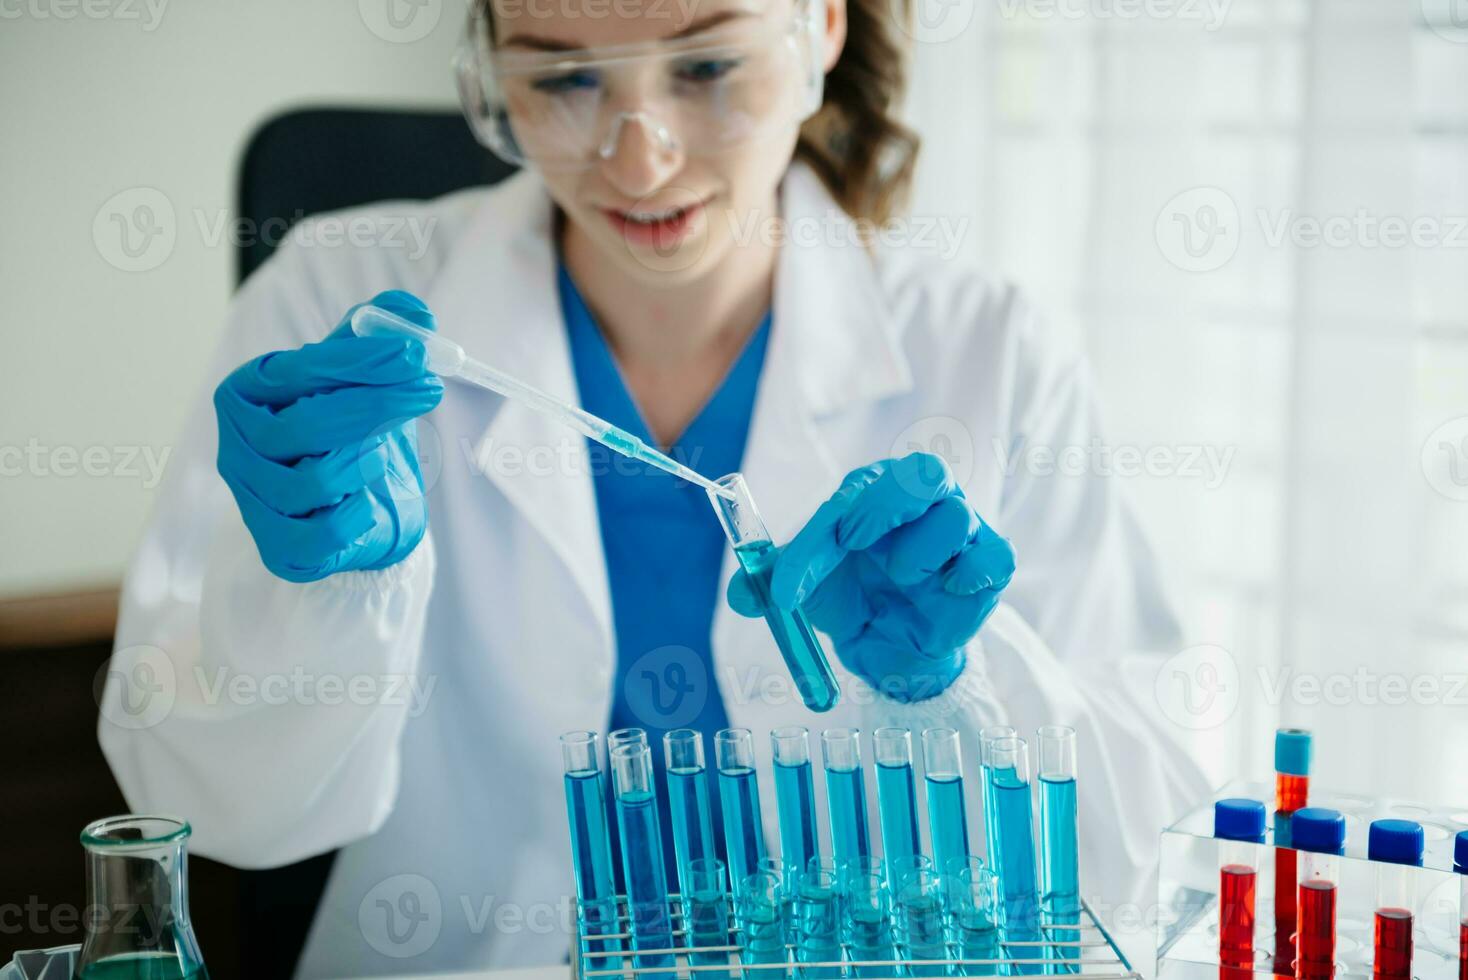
(667, 193)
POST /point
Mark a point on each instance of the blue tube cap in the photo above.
(1460, 852)
(1397, 841)
(1316, 828)
(1239, 819)
(1292, 751)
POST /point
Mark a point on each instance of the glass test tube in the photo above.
(688, 803)
(789, 879)
(1060, 885)
(921, 931)
(795, 796)
(758, 910)
(706, 901)
(869, 933)
(976, 916)
(1239, 826)
(1009, 771)
(744, 834)
(818, 925)
(896, 793)
(986, 789)
(846, 794)
(1460, 865)
(809, 667)
(1292, 751)
(947, 817)
(1397, 847)
(591, 845)
(1319, 837)
(642, 856)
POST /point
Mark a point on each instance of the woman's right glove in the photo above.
(320, 448)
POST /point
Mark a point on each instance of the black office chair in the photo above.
(298, 164)
(308, 161)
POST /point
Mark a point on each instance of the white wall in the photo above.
(102, 98)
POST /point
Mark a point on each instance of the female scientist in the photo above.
(369, 634)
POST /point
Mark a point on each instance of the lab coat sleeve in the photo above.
(266, 712)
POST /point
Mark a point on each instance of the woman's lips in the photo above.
(665, 232)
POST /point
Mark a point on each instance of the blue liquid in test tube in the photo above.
(759, 905)
(642, 857)
(1060, 886)
(706, 901)
(1009, 769)
(795, 797)
(975, 914)
(818, 925)
(591, 847)
(688, 802)
(947, 816)
(806, 659)
(869, 931)
(744, 834)
(921, 927)
(986, 789)
(846, 795)
(896, 795)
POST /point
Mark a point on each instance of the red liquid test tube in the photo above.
(1292, 752)
(1319, 837)
(1396, 846)
(1239, 826)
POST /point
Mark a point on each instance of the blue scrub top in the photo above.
(664, 548)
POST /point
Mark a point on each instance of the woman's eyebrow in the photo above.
(534, 43)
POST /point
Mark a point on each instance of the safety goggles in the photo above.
(701, 95)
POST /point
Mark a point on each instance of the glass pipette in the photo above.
(448, 359)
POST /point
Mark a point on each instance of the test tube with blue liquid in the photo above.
(818, 925)
(591, 846)
(1060, 886)
(869, 931)
(947, 815)
(896, 794)
(986, 789)
(846, 795)
(1008, 765)
(706, 915)
(809, 667)
(759, 913)
(921, 927)
(688, 803)
(744, 835)
(975, 916)
(795, 796)
(642, 857)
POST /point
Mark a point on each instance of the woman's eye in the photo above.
(707, 71)
(564, 84)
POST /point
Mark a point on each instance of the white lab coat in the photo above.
(448, 802)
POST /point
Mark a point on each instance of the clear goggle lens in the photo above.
(697, 96)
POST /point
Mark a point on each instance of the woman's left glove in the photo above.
(898, 570)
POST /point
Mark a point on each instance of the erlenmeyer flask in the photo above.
(137, 919)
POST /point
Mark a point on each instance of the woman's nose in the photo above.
(639, 153)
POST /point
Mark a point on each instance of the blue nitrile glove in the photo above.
(320, 449)
(898, 570)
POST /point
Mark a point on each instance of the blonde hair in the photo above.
(855, 142)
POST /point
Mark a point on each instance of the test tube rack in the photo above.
(1187, 928)
(1099, 958)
